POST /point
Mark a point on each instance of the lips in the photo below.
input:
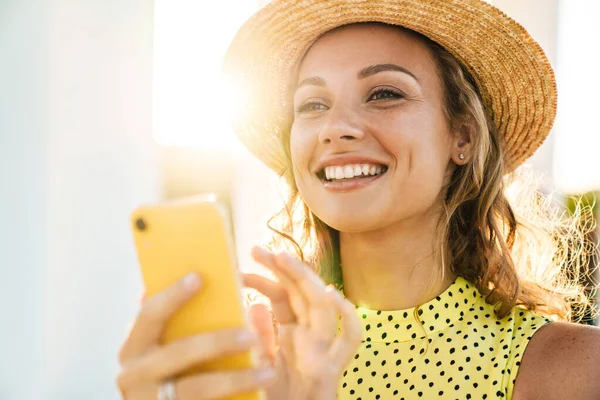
(348, 171)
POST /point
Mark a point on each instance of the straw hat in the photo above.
(511, 70)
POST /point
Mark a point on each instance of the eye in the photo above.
(310, 106)
(385, 94)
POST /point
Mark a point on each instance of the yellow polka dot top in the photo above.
(462, 351)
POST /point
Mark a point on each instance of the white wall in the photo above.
(254, 201)
(578, 131)
(23, 195)
(76, 155)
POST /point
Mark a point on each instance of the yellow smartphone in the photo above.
(195, 234)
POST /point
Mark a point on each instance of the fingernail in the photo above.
(191, 281)
(265, 374)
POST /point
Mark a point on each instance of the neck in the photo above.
(394, 268)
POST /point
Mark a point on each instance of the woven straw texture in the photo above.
(511, 70)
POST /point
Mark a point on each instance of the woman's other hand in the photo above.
(311, 355)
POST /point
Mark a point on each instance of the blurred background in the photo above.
(106, 105)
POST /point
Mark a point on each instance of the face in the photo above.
(370, 143)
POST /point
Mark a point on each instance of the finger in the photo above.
(266, 286)
(347, 342)
(218, 385)
(286, 350)
(177, 357)
(296, 300)
(262, 322)
(324, 317)
(322, 314)
(302, 275)
(280, 302)
(155, 313)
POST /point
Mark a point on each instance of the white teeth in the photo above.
(351, 171)
(348, 171)
(330, 172)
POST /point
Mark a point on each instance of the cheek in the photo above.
(419, 139)
(430, 157)
(297, 148)
(421, 147)
(301, 150)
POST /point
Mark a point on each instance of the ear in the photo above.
(462, 143)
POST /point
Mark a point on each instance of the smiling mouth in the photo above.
(351, 172)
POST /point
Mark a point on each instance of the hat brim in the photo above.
(512, 72)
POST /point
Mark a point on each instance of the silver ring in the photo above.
(166, 391)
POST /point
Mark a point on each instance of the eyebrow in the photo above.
(362, 74)
(377, 68)
(314, 81)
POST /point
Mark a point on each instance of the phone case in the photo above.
(178, 237)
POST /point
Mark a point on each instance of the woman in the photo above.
(396, 125)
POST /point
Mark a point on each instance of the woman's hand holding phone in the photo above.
(146, 364)
(311, 355)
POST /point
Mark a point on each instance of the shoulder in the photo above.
(562, 361)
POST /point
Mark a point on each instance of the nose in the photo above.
(342, 124)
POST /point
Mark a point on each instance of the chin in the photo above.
(349, 220)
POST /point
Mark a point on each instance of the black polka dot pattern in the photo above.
(459, 351)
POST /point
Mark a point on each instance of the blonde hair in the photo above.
(497, 231)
